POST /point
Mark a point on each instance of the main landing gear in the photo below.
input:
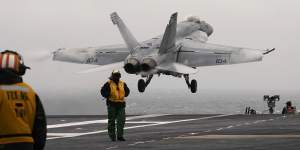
(143, 84)
(193, 85)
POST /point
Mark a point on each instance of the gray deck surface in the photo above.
(169, 132)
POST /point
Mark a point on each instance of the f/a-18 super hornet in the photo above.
(178, 52)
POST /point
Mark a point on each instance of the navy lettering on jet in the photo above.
(221, 61)
(91, 60)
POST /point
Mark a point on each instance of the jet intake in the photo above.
(148, 64)
(132, 66)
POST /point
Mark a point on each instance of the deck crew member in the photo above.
(115, 91)
(289, 109)
(22, 117)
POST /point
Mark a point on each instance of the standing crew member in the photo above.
(22, 117)
(115, 90)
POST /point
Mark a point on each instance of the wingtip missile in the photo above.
(114, 17)
(268, 51)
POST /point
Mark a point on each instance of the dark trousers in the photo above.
(115, 113)
(17, 146)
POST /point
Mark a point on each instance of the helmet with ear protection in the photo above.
(116, 73)
(11, 60)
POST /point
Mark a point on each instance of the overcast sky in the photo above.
(36, 27)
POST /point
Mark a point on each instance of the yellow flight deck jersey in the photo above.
(117, 92)
(17, 113)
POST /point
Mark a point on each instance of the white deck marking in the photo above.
(228, 127)
(240, 136)
(145, 122)
(67, 135)
(99, 121)
(57, 135)
(219, 129)
(206, 131)
(112, 147)
(194, 136)
(135, 143)
(75, 123)
(141, 142)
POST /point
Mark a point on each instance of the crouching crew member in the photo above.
(22, 117)
(289, 109)
(115, 90)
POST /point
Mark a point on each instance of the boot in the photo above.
(112, 138)
(121, 139)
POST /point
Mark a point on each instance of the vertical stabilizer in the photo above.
(168, 41)
(130, 41)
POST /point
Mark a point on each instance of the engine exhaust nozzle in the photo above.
(148, 64)
(132, 66)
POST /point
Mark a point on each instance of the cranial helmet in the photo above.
(12, 61)
(116, 73)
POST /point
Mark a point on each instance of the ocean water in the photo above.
(168, 102)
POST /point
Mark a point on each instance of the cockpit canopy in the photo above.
(205, 27)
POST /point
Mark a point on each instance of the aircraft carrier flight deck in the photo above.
(169, 132)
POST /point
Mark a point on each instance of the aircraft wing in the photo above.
(117, 65)
(208, 48)
(196, 54)
(92, 55)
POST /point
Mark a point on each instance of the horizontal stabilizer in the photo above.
(118, 65)
(178, 68)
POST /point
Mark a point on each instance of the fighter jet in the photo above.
(178, 52)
